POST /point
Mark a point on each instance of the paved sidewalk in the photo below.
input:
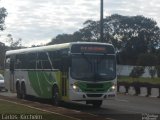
(8, 93)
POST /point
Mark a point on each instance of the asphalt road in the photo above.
(126, 104)
(124, 107)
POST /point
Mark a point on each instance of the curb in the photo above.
(140, 91)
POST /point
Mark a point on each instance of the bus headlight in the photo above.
(76, 88)
(113, 88)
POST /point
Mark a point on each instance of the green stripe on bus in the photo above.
(42, 83)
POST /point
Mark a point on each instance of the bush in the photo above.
(147, 59)
(158, 70)
(137, 72)
(152, 72)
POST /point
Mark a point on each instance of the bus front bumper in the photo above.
(81, 96)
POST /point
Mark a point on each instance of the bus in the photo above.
(76, 71)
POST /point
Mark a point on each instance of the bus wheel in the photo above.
(23, 91)
(18, 90)
(55, 96)
(97, 103)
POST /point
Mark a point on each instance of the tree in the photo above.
(137, 72)
(3, 14)
(14, 44)
(150, 61)
(131, 35)
(90, 32)
(147, 59)
(2, 54)
(65, 38)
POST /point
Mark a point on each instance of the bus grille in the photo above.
(94, 85)
(94, 95)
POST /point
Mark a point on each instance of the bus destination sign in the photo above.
(87, 48)
(94, 49)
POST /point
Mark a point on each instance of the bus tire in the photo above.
(23, 91)
(55, 96)
(18, 90)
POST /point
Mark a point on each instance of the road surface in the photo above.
(124, 107)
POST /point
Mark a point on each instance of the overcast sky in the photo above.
(37, 21)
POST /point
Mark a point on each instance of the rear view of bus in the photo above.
(92, 73)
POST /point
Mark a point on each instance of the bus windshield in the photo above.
(93, 67)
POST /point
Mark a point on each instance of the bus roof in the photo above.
(50, 47)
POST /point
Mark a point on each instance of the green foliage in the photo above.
(130, 80)
(147, 59)
(152, 71)
(3, 14)
(158, 70)
(14, 44)
(131, 35)
(137, 72)
(2, 54)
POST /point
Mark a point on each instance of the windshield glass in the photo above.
(93, 67)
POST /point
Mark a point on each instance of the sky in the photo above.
(36, 22)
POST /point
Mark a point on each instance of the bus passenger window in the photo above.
(43, 61)
(31, 58)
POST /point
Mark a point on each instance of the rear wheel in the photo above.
(55, 96)
(18, 90)
(23, 91)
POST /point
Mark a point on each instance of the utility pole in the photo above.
(101, 22)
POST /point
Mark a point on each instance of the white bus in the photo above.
(77, 71)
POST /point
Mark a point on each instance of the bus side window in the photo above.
(31, 60)
(55, 59)
(43, 61)
(21, 61)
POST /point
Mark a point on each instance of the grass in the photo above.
(140, 79)
(15, 109)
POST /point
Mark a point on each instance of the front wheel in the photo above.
(55, 96)
(18, 90)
